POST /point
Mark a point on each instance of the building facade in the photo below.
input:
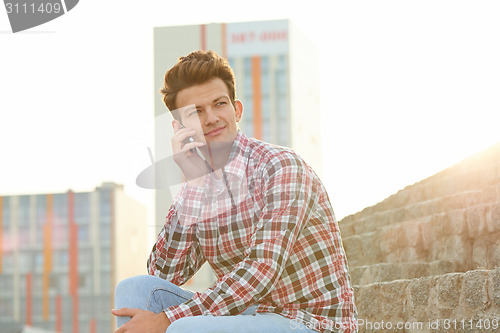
(62, 254)
(277, 80)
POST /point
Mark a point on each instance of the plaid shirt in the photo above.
(268, 231)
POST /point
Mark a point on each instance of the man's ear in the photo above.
(238, 108)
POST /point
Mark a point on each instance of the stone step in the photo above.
(468, 237)
(420, 209)
(445, 303)
(385, 272)
(477, 172)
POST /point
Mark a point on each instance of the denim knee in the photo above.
(131, 288)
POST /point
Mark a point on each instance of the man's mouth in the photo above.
(215, 131)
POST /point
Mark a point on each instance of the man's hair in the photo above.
(196, 68)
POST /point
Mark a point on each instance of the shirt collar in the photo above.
(238, 158)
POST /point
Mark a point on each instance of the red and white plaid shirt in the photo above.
(268, 231)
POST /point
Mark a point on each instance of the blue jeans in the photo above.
(154, 294)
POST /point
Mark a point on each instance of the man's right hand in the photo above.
(192, 165)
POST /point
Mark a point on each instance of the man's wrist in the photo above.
(165, 322)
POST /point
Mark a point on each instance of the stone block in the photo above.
(416, 270)
(363, 226)
(398, 215)
(357, 275)
(391, 239)
(420, 290)
(494, 250)
(493, 217)
(411, 230)
(456, 220)
(368, 301)
(476, 220)
(370, 248)
(479, 253)
(441, 267)
(412, 254)
(450, 202)
(387, 272)
(352, 247)
(455, 248)
(489, 195)
(394, 299)
(473, 198)
(495, 284)
(422, 303)
(427, 233)
(441, 225)
(346, 229)
(381, 219)
(448, 288)
(475, 290)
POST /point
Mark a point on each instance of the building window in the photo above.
(105, 233)
(60, 208)
(24, 211)
(85, 258)
(105, 257)
(41, 210)
(82, 208)
(83, 234)
(105, 204)
(38, 262)
(61, 259)
(60, 236)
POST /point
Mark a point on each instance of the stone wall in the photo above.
(427, 258)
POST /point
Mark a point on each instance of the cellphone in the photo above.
(189, 138)
(176, 115)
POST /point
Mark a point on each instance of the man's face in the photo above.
(215, 118)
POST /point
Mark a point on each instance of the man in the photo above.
(256, 212)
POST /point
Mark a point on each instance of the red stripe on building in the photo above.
(93, 326)
(257, 98)
(47, 255)
(73, 258)
(29, 299)
(203, 31)
(58, 313)
(73, 246)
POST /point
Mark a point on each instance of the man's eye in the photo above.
(221, 103)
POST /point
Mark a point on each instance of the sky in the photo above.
(408, 88)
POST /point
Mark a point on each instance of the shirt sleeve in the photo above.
(176, 255)
(285, 201)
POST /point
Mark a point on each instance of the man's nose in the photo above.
(211, 117)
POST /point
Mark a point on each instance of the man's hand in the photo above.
(191, 164)
(142, 321)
